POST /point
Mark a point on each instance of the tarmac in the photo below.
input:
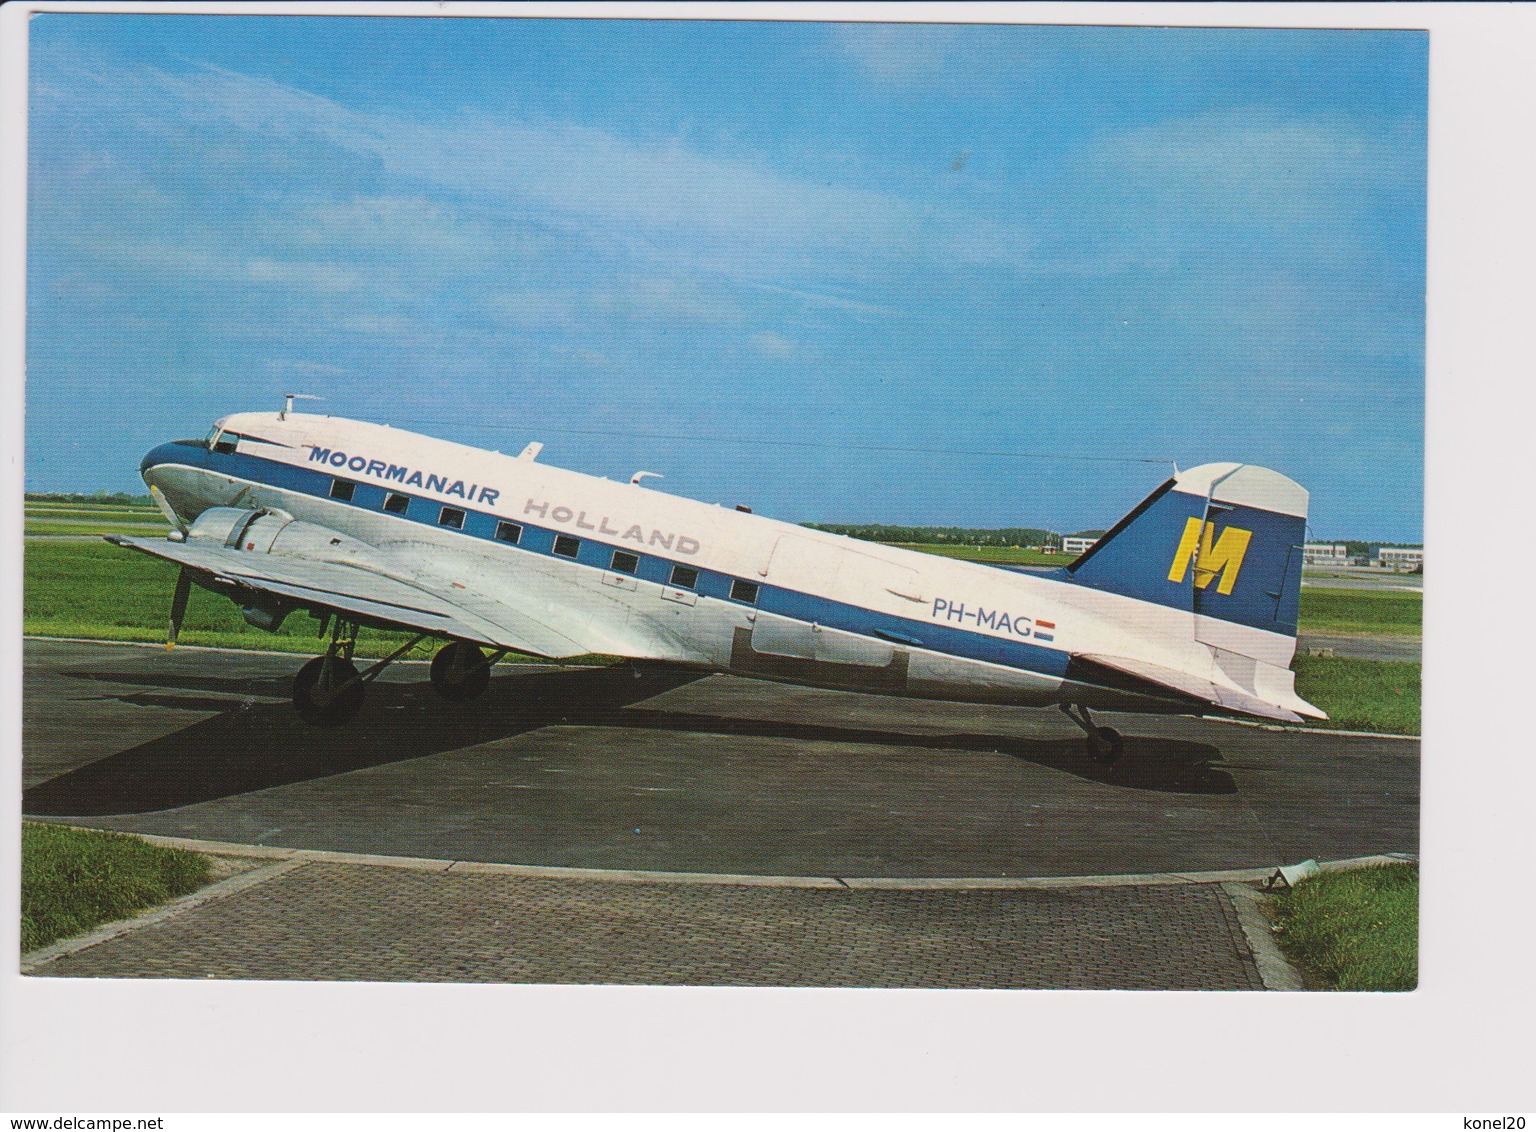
(1361, 646)
(615, 825)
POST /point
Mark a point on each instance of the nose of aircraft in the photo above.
(159, 454)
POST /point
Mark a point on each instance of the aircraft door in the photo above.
(824, 572)
(805, 565)
(809, 566)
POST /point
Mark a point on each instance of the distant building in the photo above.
(1325, 554)
(1076, 545)
(1400, 558)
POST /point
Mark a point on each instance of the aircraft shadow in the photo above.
(1169, 765)
(253, 746)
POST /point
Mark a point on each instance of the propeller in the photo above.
(166, 509)
(178, 606)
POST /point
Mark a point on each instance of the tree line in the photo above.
(119, 498)
(958, 536)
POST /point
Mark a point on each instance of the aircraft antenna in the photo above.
(290, 398)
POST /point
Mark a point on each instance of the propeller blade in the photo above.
(166, 509)
(178, 606)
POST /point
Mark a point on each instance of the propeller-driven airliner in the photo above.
(1188, 605)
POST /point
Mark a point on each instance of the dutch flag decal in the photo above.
(1045, 630)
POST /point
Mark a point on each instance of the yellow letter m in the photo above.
(1211, 555)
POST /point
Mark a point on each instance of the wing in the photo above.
(357, 584)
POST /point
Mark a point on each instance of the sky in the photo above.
(979, 275)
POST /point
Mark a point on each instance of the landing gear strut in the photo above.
(1103, 743)
(329, 690)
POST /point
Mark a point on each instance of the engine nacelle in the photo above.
(271, 531)
(224, 526)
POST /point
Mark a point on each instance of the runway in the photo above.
(604, 768)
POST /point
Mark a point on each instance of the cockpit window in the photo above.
(221, 441)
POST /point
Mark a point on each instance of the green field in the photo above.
(95, 514)
(55, 505)
(1361, 695)
(106, 527)
(72, 880)
(98, 591)
(1391, 612)
(1355, 930)
(991, 555)
(43, 519)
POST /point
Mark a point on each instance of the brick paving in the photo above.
(345, 921)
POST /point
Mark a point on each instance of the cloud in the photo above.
(831, 302)
(532, 308)
(656, 199)
(670, 300)
(774, 345)
(633, 298)
(1259, 168)
(392, 226)
(900, 54)
(324, 277)
(188, 262)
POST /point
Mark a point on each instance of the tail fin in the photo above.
(1222, 540)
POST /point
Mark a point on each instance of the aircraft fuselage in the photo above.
(630, 571)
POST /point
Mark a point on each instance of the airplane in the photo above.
(1187, 605)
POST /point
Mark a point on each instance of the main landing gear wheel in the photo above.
(460, 672)
(328, 698)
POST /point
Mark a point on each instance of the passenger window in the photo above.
(685, 577)
(451, 517)
(395, 503)
(567, 546)
(509, 532)
(625, 562)
(744, 591)
(343, 489)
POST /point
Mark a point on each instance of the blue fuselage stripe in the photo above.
(952, 641)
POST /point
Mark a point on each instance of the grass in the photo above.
(992, 555)
(104, 527)
(1389, 612)
(107, 593)
(1361, 695)
(72, 880)
(98, 591)
(1355, 930)
(90, 509)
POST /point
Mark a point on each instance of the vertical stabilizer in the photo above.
(1222, 541)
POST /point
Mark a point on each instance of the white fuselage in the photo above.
(630, 571)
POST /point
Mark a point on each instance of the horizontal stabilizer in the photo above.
(1223, 695)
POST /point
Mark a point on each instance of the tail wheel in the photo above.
(328, 702)
(460, 672)
(1105, 744)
